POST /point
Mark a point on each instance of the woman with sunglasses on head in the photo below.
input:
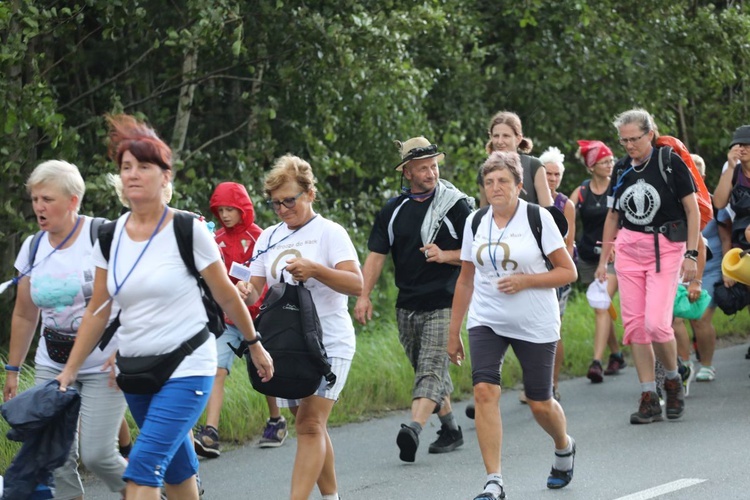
(313, 250)
(654, 216)
(506, 134)
(591, 205)
(56, 279)
(162, 316)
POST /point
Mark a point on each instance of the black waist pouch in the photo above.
(58, 344)
(675, 230)
(147, 374)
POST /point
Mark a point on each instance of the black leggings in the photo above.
(488, 350)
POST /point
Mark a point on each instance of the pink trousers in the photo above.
(647, 297)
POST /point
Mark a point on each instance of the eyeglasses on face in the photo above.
(631, 140)
(287, 202)
(610, 161)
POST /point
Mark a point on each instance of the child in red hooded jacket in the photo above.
(232, 206)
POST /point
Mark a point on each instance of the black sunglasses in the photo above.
(287, 202)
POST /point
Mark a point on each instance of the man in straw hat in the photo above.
(422, 228)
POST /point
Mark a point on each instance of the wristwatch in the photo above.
(691, 254)
(254, 341)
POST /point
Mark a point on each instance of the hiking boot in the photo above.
(615, 364)
(408, 442)
(649, 409)
(274, 434)
(448, 440)
(470, 411)
(675, 398)
(206, 442)
(595, 372)
(687, 373)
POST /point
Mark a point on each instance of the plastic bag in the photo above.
(683, 308)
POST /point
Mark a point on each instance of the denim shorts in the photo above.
(224, 355)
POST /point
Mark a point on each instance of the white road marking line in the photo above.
(663, 489)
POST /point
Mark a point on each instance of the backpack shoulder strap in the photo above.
(34, 247)
(478, 219)
(96, 223)
(106, 233)
(582, 190)
(312, 333)
(535, 222)
(665, 167)
(183, 229)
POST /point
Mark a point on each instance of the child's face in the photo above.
(230, 216)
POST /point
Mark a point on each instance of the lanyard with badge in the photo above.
(32, 251)
(242, 271)
(118, 286)
(493, 252)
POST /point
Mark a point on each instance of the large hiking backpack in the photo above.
(183, 228)
(669, 144)
(289, 325)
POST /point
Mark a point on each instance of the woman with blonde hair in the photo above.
(313, 250)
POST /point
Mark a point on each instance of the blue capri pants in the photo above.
(163, 452)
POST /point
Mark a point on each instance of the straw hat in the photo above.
(417, 148)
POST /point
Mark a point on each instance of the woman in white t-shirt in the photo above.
(56, 277)
(162, 310)
(318, 252)
(510, 297)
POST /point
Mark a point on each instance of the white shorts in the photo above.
(340, 367)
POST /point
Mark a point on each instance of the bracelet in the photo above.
(700, 282)
(691, 257)
(11, 368)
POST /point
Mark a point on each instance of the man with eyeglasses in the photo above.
(422, 228)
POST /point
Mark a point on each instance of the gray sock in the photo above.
(672, 374)
(449, 421)
(492, 487)
(416, 426)
(564, 463)
(648, 386)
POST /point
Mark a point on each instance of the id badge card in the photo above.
(239, 271)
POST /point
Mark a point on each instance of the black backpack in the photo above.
(731, 300)
(535, 221)
(96, 222)
(289, 325)
(183, 228)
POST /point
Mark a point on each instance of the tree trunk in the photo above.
(185, 104)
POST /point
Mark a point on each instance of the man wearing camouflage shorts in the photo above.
(422, 228)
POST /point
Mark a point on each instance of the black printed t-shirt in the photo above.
(644, 198)
(593, 212)
(422, 286)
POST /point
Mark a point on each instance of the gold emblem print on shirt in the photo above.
(506, 256)
(295, 253)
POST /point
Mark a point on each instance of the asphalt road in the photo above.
(705, 455)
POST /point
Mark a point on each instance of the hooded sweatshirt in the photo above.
(236, 242)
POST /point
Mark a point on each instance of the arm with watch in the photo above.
(695, 285)
(692, 215)
(228, 298)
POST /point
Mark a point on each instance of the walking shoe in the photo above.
(615, 364)
(561, 478)
(706, 374)
(470, 410)
(595, 372)
(556, 394)
(522, 398)
(675, 398)
(486, 495)
(408, 442)
(687, 373)
(448, 440)
(206, 442)
(649, 409)
(274, 434)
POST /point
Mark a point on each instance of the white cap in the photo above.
(597, 295)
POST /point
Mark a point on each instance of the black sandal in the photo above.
(561, 478)
(486, 495)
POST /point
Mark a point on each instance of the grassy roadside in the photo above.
(380, 378)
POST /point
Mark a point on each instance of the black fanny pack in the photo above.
(58, 344)
(675, 231)
(147, 374)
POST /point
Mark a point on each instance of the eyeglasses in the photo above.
(611, 161)
(287, 202)
(631, 140)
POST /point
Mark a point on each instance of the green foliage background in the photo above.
(232, 84)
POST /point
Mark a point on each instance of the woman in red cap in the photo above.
(590, 199)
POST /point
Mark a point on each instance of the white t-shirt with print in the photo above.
(327, 243)
(160, 300)
(62, 282)
(533, 314)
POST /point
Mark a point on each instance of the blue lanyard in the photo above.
(270, 245)
(493, 253)
(118, 286)
(621, 177)
(29, 268)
